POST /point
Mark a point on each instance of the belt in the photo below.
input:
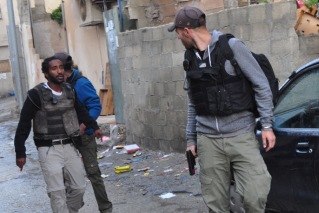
(61, 141)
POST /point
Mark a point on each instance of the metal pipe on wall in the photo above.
(65, 29)
(121, 15)
(14, 57)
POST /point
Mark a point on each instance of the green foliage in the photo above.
(56, 15)
(263, 1)
(310, 3)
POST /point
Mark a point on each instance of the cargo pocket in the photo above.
(205, 184)
(204, 179)
(261, 181)
(92, 169)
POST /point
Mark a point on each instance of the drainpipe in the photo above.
(14, 57)
(31, 21)
(121, 14)
(104, 6)
(64, 22)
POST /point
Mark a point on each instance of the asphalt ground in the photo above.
(156, 182)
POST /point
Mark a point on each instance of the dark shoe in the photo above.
(107, 210)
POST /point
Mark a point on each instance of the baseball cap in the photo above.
(63, 56)
(190, 17)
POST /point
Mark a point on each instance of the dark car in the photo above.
(294, 162)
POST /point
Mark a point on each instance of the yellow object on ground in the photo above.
(121, 169)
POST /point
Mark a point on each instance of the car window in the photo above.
(298, 104)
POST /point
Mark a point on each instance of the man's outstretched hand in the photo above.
(20, 162)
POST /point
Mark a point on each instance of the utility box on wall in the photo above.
(91, 14)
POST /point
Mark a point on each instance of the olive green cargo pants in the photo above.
(217, 156)
(88, 151)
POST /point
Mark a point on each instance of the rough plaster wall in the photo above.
(51, 5)
(4, 53)
(48, 35)
(3, 24)
(240, 3)
(32, 61)
(87, 46)
(150, 62)
(158, 12)
(6, 82)
(24, 11)
(230, 4)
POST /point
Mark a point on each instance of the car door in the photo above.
(293, 163)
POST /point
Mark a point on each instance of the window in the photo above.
(298, 105)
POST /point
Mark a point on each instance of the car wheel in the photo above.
(236, 201)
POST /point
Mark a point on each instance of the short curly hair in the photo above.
(45, 64)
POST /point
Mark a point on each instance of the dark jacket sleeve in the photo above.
(29, 109)
(84, 116)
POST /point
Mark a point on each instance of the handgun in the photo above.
(191, 162)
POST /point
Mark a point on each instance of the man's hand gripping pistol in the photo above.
(191, 162)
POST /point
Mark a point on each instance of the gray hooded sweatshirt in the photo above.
(238, 123)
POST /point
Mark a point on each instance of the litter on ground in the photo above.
(167, 195)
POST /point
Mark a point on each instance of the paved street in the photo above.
(136, 191)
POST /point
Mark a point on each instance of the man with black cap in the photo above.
(86, 94)
(220, 122)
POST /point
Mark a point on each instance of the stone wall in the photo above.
(6, 83)
(49, 37)
(150, 13)
(150, 62)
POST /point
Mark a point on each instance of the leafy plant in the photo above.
(263, 1)
(310, 3)
(56, 15)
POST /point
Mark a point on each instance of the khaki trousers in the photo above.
(64, 175)
(241, 153)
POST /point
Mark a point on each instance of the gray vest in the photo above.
(57, 117)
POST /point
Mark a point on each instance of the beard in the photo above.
(59, 79)
(188, 44)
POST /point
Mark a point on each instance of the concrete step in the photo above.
(4, 116)
(8, 108)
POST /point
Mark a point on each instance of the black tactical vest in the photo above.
(56, 117)
(212, 90)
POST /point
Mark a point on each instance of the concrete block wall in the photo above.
(149, 13)
(49, 36)
(151, 59)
